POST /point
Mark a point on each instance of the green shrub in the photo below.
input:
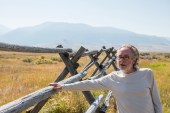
(43, 61)
(167, 56)
(28, 60)
(56, 59)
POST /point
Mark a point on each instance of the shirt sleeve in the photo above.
(155, 95)
(86, 85)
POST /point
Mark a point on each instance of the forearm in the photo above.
(156, 98)
(84, 85)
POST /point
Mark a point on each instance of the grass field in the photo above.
(23, 73)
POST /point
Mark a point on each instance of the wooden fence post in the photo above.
(73, 60)
(70, 66)
(66, 70)
(93, 107)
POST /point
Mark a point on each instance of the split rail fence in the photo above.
(40, 97)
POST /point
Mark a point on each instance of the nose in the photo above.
(122, 61)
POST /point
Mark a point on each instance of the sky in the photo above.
(150, 17)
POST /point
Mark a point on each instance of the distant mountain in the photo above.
(4, 29)
(51, 34)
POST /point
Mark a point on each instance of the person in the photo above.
(133, 88)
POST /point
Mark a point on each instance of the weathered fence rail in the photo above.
(94, 105)
(40, 97)
(17, 48)
(106, 102)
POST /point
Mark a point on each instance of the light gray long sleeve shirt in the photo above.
(134, 93)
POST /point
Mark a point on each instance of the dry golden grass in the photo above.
(19, 78)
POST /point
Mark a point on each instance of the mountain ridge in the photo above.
(51, 34)
(4, 29)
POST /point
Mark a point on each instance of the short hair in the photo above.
(135, 53)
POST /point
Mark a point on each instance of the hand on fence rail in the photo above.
(56, 85)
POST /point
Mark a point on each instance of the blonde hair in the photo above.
(135, 53)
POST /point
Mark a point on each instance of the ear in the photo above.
(134, 61)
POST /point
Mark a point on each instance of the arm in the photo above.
(97, 84)
(155, 95)
(86, 85)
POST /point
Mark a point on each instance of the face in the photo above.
(125, 60)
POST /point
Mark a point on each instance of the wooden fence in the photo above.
(40, 97)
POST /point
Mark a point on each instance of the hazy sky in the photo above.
(141, 16)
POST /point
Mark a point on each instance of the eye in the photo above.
(126, 57)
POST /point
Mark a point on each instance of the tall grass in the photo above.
(20, 74)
